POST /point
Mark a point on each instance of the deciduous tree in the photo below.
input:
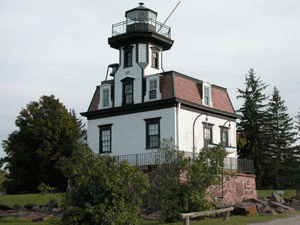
(47, 131)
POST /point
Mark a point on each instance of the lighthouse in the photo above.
(140, 40)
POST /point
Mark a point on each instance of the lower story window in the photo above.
(224, 136)
(105, 139)
(152, 133)
(208, 135)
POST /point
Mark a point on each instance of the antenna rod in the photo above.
(168, 16)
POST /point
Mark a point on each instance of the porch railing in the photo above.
(155, 158)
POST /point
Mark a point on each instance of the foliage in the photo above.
(252, 124)
(170, 195)
(47, 131)
(103, 191)
(283, 160)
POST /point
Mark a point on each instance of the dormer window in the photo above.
(153, 89)
(207, 95)
(127, 91)
(105, 98)
(128, 56)
(106, 89)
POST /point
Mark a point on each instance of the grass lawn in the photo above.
(266, 193)
(39, 199)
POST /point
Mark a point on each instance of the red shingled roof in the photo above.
(221, 99)
(173, 84)
(95, 101)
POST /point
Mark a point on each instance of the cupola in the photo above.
(140, 26)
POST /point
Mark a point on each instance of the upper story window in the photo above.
(127, 91)
(105, 98)
(128, 56)
(155, 59)
(206, 95)
(153, 89)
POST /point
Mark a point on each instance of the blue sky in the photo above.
(60, 47)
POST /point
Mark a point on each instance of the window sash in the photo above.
(153, 89)
(127, 58)
(105, 139)
(208, 135)
(224, 136)
(155, 59)
(206, 95)
(105, 98)
(152, 133)
(128, 93)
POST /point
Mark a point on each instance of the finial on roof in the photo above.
(141, 3)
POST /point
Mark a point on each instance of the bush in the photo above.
(103, 192)
(170, 195)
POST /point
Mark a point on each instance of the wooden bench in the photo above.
(225, 212)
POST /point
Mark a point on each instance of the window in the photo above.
(128, 93)
(208, 134)
(152, 133)
(207, 95)
(152, 89)
(224, 135)
(105, 139)
(127, 90)
(127, 57)
(154, 59)
(105, 98)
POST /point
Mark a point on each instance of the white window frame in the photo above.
(106, 87)
(153, 89)
(150, 88)
(105, 97)
(207, 95)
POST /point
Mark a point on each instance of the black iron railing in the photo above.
(155, 158)
(145, 25)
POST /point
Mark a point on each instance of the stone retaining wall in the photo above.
(238, 188)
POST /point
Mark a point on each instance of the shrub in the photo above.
(103, 191)
(171, 196)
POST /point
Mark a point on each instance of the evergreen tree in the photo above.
(281, 148)
(298, 121)
(251, 126)
(47, 131)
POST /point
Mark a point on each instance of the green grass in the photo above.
(39, 199)
(14, 221)
(266, 193)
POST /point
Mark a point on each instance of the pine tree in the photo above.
(281, 148)
(298, 121)
(251, 127)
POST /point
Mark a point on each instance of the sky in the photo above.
(60, 47)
